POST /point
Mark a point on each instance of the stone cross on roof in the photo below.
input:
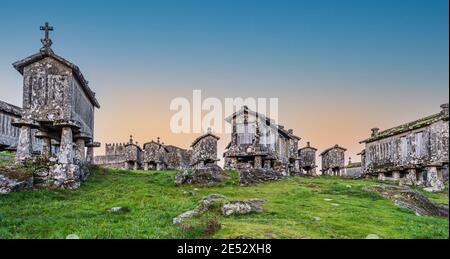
(46, 41)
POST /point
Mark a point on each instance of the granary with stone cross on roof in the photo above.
(58, 102)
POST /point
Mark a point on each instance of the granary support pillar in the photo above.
(24, 145)
(46, 139)
(381, 176)
(258, 162)
(90, 155)
(90, 151)
(66, 146)
(267, 164)
(135, 166)
(297, 166)
(396, 175)
(434, 179)
(46, 147)
(159, 166)
(411, 177)
(80, 152)
(145, 166)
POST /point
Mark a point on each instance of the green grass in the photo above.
(154, 201)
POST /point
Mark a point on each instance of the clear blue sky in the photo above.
(385, 60)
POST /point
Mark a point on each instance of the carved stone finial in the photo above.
(375, 132)
(46, 41)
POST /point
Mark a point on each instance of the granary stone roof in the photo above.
(308, 146)
(21, 64)
(202, 137)
(331, 148)
(10, 109)
(269, 121)
(407, 127)
(156, 143)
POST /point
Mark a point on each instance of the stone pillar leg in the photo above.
(80, 154)
(24, 147)
(267, 164)
(145, 166)
(90, 155)
(125, 166)
(396, 175)
(434, 180)
(411, 177)
(258, 162)
(66, 148)
(158, 167)
(381, 176)
(297, 166)
(46, 148)
(135, 166)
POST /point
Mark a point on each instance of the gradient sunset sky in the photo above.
(339, 68)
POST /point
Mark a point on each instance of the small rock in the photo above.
(242, 207)
(72, 236)
(372, 236)
(119, 210)
(334, 204)
(317, 218)
(348, 186)
(202, 207)
(327, 199)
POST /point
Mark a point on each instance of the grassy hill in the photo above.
(291, 211)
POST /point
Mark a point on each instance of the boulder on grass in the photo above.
(407, 198)
(242, 207)
(14, 179)
(257, 176)
(202, 207)
(209, 175)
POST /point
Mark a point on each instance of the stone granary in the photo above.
(257, 142)
(58, 102)
(132, 155)
(415, 153)
(155, 156)
(9, 135)
(178, 158)
(333, 161)
(204, 150)
(308, 159)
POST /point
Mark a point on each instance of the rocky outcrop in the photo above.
(203, 206)
(257, 176)
(242, 207)
(407, 198)
(8, 185)
(211, 174)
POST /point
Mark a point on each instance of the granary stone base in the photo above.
(66, 176)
